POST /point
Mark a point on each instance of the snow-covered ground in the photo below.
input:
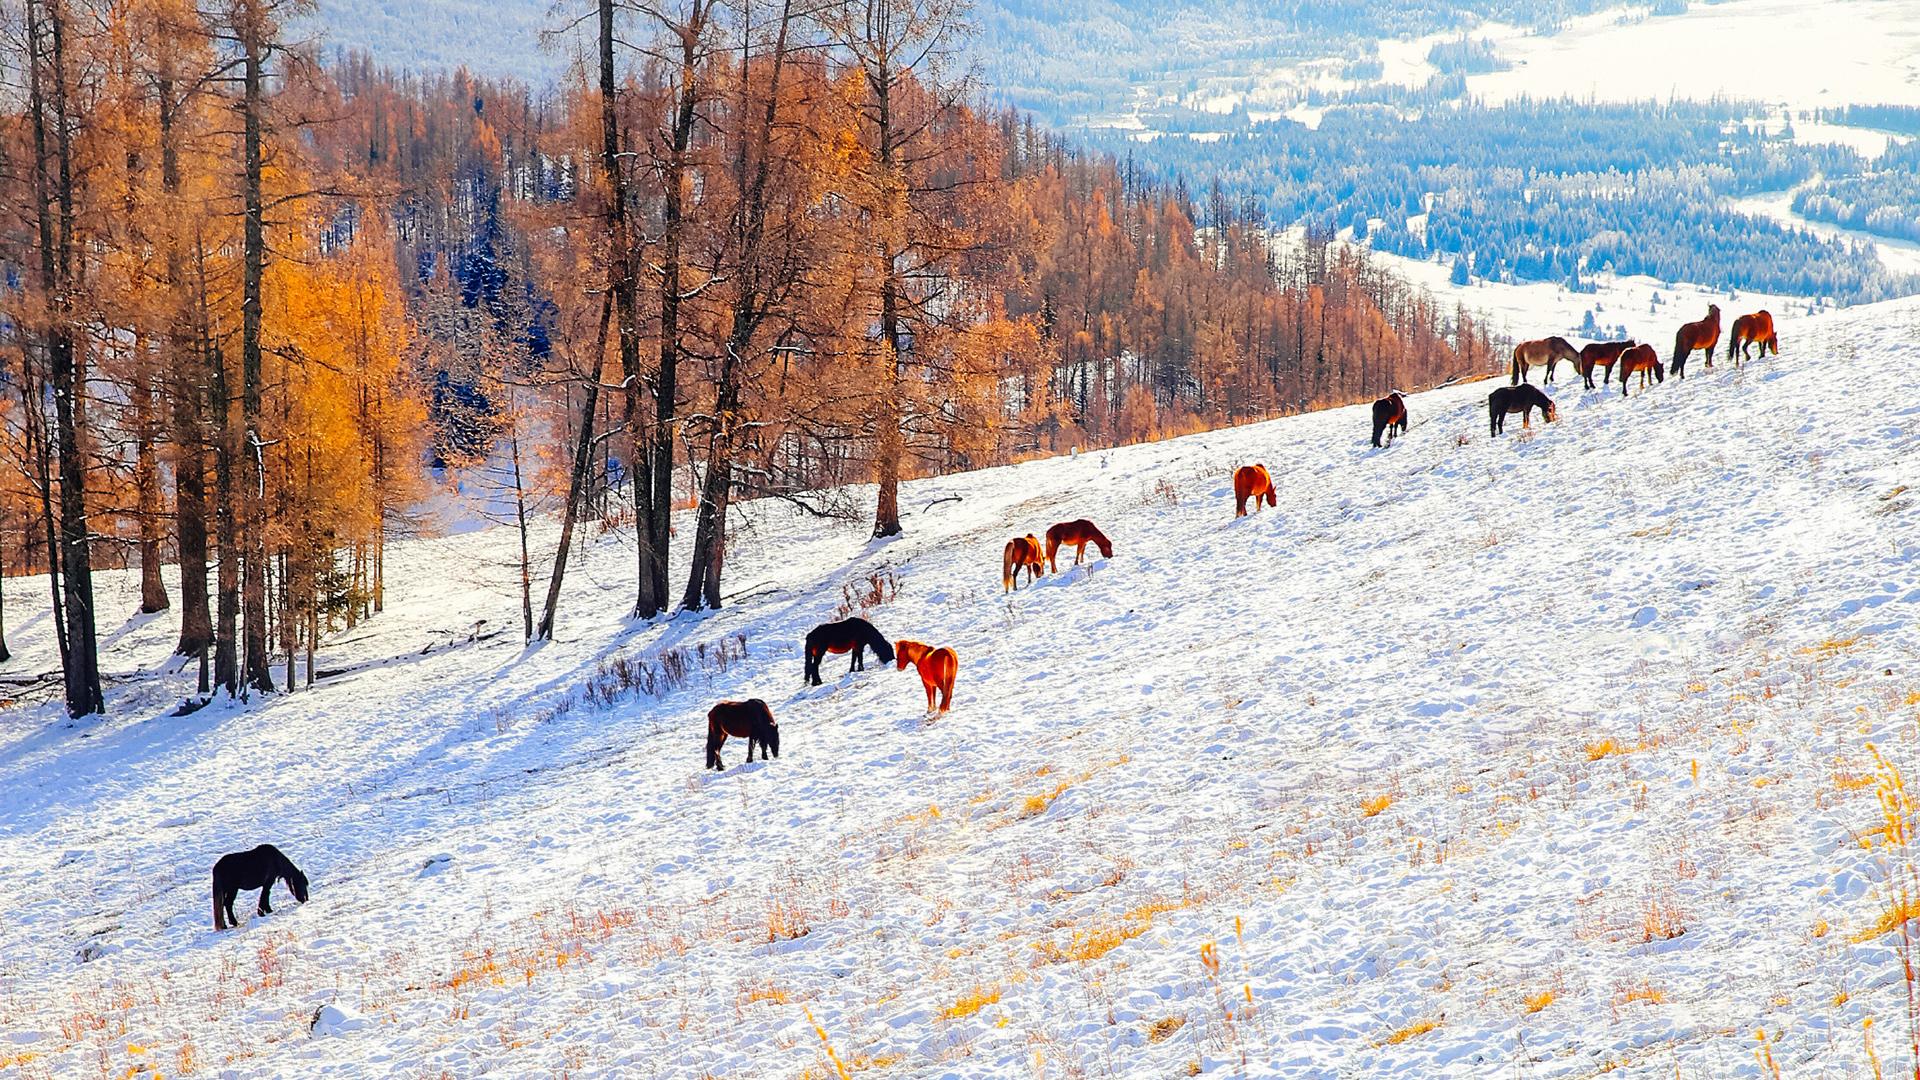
(1535, 756)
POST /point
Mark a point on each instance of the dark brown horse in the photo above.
(1078, 534)
(847, 635)
(256, 869)
(1704, 334)
(1021, 553)
(1522, 399)
(750, 720)
(1546, 352)
(1252, 482)
(1389, 414)
(1750, 330)
(1601, 354)
(1640, 360)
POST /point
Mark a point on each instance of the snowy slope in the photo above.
(1530, 757)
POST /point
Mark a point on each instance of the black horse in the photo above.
(1389, 415)
(847, 635)
(750, 720)
(1522, 399)
(256, 869)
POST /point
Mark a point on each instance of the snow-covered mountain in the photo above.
(1540, 755)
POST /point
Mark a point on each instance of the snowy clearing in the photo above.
(1538, 756)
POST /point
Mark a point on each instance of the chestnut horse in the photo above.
(1518, 399)
(1079, 534)
(1023, 553)
(1546, 352)
(847, 635)
(1389, 413)
(1601, 354)
(1251, 482)
(1750, 330)
(1640, 360)
(1704, 334)
(937, 669)
(750, 720)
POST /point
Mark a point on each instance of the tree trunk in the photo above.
(892, 443)
(48, 92)
(146, 483)
(226, 533)
(188, 412)
(582, 459)
(253, 587)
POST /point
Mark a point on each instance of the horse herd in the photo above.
(1621, 359)
(753, 720)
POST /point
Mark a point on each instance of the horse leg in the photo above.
(219, 916)
(928, 685)
(265, 890)
(946, 696)
(227, 900)
(715, 740)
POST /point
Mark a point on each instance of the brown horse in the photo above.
(937, 669)
(750, 720)
(1546, 352)
(1601, 354)
(1640, 360)
(1704, 334)
(1389, 413)
(1252, 482)
(1079, 534)
(1750, 330)
(1518, 399)
(847, 635)
(1023, 553)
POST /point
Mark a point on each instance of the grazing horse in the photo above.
(847, 635)
(1601, 354)
(1079, 534)
(1750, 330)
(750, 720)
(1704, 334)
(1518, 399)
(1389, 414)
(1022, 553)
(1252, 482)
(937, 669)
(1640, 360)
(1546, 352)
(256, 869)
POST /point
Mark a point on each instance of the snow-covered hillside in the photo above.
(1537, 756)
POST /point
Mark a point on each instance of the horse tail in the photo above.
(1006, 567)
(219, 917)
(1516, 365)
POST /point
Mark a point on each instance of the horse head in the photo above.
(881, 649)
(907, 652)
(296, 883)
(769, 734)
(1105, 545)
(1550, 411)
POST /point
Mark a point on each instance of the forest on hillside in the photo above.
(1557, 190)
(256, 306)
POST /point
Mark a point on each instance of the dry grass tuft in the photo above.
(1373, 807)
(1162, 1030)
(970, 1003)
(1539, 1001)
(1411, 1031)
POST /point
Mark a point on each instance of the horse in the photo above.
(750, 720)
(1389, 414)
(937, 669)
(1252, 482)
(847, 635)
(1750, 330)
(1079, 534)
(1601, 354)
(1704, 334)
(1640, 360)
(1521, 399)
(1547, 352)
(1021, 553)
(256, 869)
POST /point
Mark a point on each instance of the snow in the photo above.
(1836, 52)
(1388, 780)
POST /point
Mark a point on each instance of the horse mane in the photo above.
(875, 641)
